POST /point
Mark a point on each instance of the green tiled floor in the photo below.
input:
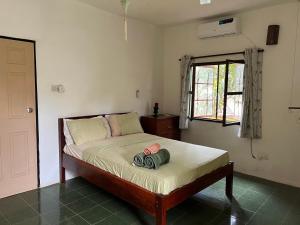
(256, 202)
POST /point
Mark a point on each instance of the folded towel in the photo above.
(139, 159)
(154, 161)
(152, 149)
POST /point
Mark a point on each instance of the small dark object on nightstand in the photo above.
(155, 110)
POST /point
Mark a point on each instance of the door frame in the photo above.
(36, 100)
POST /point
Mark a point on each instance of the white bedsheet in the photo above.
(188, 162)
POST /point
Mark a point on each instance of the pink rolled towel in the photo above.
(152, 149)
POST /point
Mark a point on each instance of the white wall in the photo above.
(83, 48)
(281, 131)
(76, 45)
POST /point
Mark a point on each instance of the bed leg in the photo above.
(62, 175)
(161, 214)
(229, 185)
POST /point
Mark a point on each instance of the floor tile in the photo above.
(81, 205)
(15, 209)
(214, 193)
(249, 204)
(201, 214)
(113, 220)
(275, 207)
(238, 191)
(219, 185)
(70, 197)
(3, 220)
(243, 181)
(212, 202)
(21, 215)
(257, 196)
(35, 196)
(58, 215)
(256, 202)
(295, 208)
(263, 187)
(89, 190)
(114, 205)
(100, 197)
(75, 184)
(265, 219)
(44, 207)
(174, 214)
(13, 203)
(76, 220)
(235, 210)
(228, 220)
(56, 190)
(192, 219)
(95, 214)
(135, 216)
(144, 218)
(37, 220)
(288, 191)
(292, 219)
(129, 214)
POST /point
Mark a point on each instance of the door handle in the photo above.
(29, 110)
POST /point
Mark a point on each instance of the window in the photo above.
(217, 91)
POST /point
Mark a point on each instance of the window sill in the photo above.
(215, 121)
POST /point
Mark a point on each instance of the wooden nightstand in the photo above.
(164, 125)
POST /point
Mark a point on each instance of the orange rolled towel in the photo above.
(152, 149)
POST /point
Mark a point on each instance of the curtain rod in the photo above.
(291, 108)
(224, 54)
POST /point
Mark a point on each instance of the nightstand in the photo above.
(164, 125)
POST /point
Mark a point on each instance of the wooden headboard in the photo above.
(61, 136)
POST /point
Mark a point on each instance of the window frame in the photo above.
(226, 92)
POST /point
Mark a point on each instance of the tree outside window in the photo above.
(217, 91)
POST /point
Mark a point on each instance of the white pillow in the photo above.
(124, 124)
(68, 137)
(105, 122)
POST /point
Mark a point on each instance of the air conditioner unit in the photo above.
(221, 27)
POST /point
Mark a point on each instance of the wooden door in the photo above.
(18, 142)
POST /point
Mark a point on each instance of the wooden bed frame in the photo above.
(154, 204)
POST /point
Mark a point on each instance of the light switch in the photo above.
(59, 88)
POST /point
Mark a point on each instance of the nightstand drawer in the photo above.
(171, 135)
(167, 125)
(164, 125)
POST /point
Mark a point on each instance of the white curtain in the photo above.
(186, 78)
(251, 124)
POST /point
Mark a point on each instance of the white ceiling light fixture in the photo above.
(205, 2)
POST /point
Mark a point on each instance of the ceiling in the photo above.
(167, 12)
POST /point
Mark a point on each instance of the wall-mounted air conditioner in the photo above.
(221, 27)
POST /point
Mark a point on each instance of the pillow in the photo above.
(124, 124)
(68, 136)
(86, 130)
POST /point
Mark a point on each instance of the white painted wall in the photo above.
(83, 48)
(281, 131)
(76, 45)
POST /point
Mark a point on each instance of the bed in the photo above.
(107, 164)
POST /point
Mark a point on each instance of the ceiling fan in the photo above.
(125, 5)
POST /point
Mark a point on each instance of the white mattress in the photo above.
(73, 150)
(188, 162)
